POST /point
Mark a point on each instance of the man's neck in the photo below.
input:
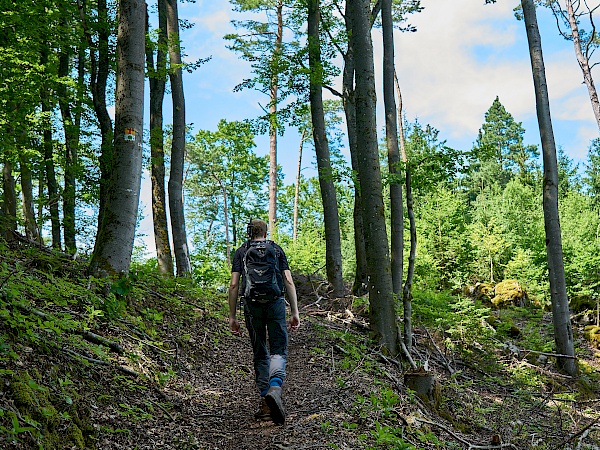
(259, 239)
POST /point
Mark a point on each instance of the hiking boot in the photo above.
(275, 403)
(263, 412)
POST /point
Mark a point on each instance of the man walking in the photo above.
(264, 271)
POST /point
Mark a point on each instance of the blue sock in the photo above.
(263, 393)
(276, 381)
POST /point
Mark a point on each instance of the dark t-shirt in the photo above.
(238, 263)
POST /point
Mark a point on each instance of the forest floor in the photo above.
(184, 382)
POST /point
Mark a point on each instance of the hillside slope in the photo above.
(145, 363)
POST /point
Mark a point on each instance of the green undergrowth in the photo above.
(500, 383)
(47, 304)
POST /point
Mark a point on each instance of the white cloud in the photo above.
(464, 54)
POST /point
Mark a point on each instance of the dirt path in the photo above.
(211, 405)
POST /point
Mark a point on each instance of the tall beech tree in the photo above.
(394, 161)
(381, 299)
(180, 244)
(563, 331)
(157, 75)
(333, 258)
(114, 244)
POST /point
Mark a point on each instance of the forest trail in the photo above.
(214, 400)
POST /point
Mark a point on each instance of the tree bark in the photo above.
(9, 204)
(563, 332)
(114, 246)
(297, 189)
(71, 131)
(53, 196)
(381, 299)
(333, 246)
(583, 61)
(31, 227)
(410, 272)
(360, 285)
(176, 207)
(391, 131)
(273, 127)
(157, 79)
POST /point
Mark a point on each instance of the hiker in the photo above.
(263, 268)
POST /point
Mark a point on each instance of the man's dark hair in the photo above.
(259, 228)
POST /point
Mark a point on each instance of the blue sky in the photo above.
(463, 55)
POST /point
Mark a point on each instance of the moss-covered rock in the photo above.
(509, 292)
(592, 334)
(480, 291)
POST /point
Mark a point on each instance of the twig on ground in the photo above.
(444, 360)
(579, 433)
(471, 446)
(168, 352)
(99, 362)
(101, 340)
(407, 354)
(163, 409)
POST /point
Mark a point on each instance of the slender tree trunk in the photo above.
(274, 125)
(226, 218)
(176, 207)
(381, 299)
(31, 227)
(71, 144)
(9, 204)
(563, 332)
(157, 155)
(297, 190)
(53, 195)
(100, 70)
(114, 246)
(410, 273)
(333, 245)
(360, 285)
(583, 61)
(391, 130)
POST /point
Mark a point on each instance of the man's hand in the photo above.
(294, 322)
(234, 327)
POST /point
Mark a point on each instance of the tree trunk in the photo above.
(226, 218)
(100, 70)
(360, 285)
(9, 204)
(176, 207)
(31, 227)
(410, 273)
(157, 79)
(71, 144)
(274, 124)
(333, 246)
(53, 196)
(381, 299)
(563, 332)
(583, 61)
(391, 131)
(114, 246)
(297, 190)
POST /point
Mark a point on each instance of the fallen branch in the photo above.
(100, 340)
(407, 354)
(555, 355)
(100, 362)
(471, 446)
(168, 352)
(444, 360)
(163, 409)
(579, 433)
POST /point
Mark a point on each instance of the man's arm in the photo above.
(294, 321)
(234, 286)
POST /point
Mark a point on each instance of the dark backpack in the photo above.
(261, 272)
